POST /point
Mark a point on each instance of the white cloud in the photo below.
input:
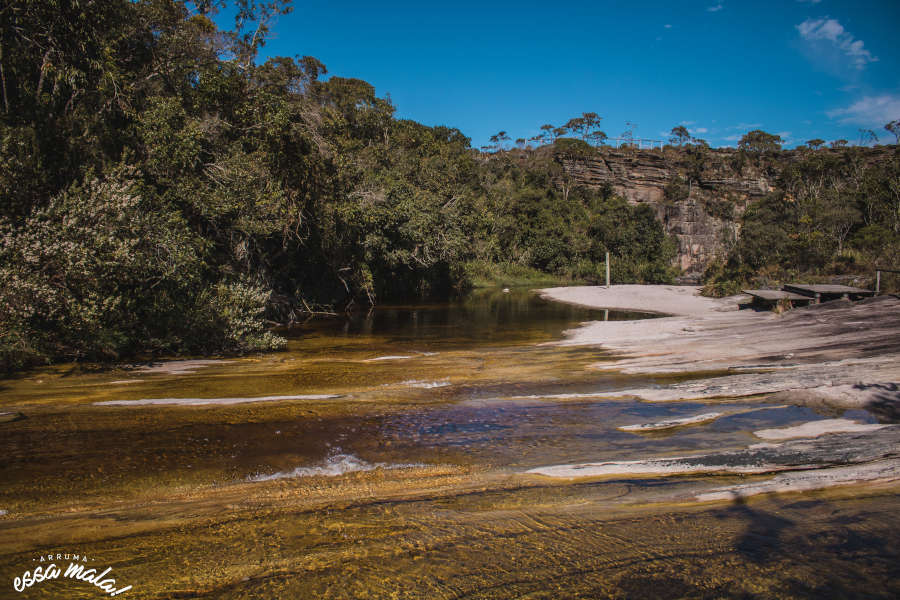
(699, 130)
(732, 138)
(686, 123)
(785, 135)
(809, 1)
(873, 111)
(746, 126)
(668, 26)
(830, 31)
(715, 8)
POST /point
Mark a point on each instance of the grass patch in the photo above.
(484, 275)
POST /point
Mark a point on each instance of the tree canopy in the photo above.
(164, 191)
(758, 141)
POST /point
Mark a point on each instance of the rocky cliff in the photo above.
(698, 197)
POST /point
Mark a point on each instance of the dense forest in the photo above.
(165, 191)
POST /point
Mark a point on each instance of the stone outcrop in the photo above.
(699, 211)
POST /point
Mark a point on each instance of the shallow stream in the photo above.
(384, 455)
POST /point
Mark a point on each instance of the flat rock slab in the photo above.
(815, 429)
(804, 481)
(671, 423)
(208, 401)
(826, 451)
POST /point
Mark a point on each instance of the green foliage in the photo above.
(894, 128)
(484, 274)
(161, 192)
(720, 208)
(676, 190)
(573, 147)
(679, 135)
(758, 141)
(836, 213)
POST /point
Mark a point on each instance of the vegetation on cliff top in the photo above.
(834, 213)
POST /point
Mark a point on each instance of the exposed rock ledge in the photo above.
(838, 354)
(835, 459)
(836, 449)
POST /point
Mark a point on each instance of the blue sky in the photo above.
(801, 68)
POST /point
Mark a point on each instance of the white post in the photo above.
(877, 282)
(607, 270)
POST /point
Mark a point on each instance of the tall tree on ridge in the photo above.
(547, 132)
(680, 135)
(894, 127)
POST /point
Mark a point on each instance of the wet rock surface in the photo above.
(840, 449)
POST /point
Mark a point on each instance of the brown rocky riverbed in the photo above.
(472, 450)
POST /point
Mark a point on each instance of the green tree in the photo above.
(591, 122)
(597, 137)
(576, 125)
(894, 128)
(867, 137)
(758, 142)
(547, 132)
(679, 135)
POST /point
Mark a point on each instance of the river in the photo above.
(386, 455)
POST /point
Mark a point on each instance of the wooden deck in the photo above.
(824, 292)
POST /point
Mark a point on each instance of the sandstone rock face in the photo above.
(704, 221)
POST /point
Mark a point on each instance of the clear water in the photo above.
(392, 466)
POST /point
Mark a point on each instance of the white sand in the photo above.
(816, 428)
(204, 401)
